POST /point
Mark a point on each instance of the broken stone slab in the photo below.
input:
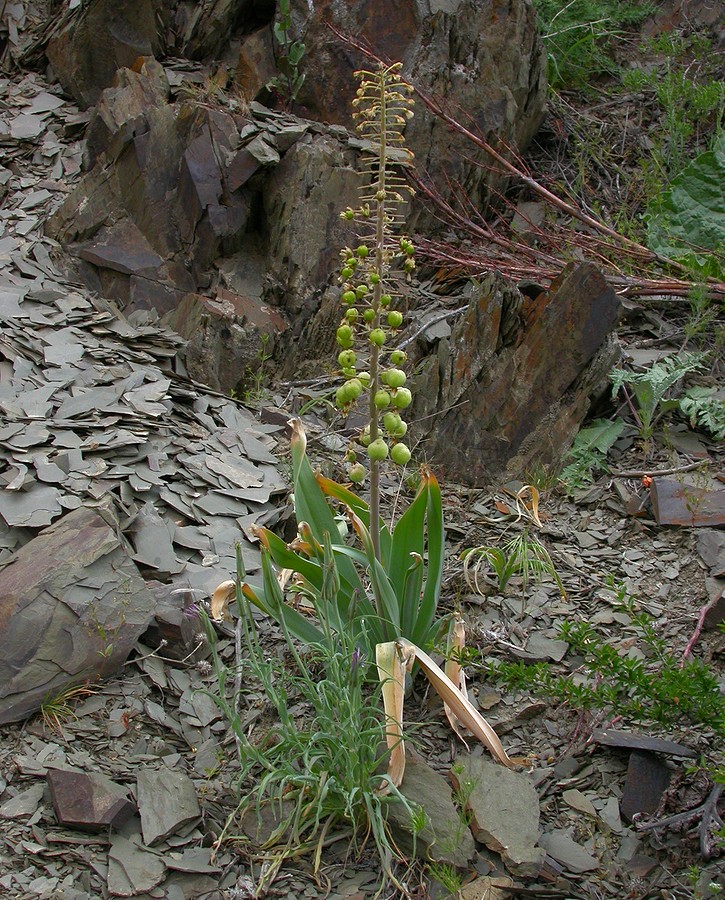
(88, 800)
(166, 802)
(102, 37)
(24, 803)
(72, 605)
(716, 607)
(446, 837)
(675, 502)
(711, 549)
(132, 868)
(488, 887)
(648, 777)
(565, 850)
(516, 376)
(627, 740)
(504, 809)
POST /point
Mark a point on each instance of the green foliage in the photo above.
(523, 556)
(651, 388)
(578, 34)
(317, 771)
(289, 80)
(687, 222)
(705, 410)
(589, 452)
(660, 687)
(377, 598)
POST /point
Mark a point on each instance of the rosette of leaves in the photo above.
(368, 276)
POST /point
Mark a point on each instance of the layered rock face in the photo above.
(205, 203)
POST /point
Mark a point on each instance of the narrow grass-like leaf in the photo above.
(436, 554)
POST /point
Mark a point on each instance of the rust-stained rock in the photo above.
(675, 502)
(72, 605)
(105, 36)
(509, 388)
(88, 800)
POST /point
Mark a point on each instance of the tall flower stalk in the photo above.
(381, 109)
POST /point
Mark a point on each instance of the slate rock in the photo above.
(516, 376)
(132, 869)
(464, 52)
(628, 740)
(166, 802)
(24, 803)
(711, 549)
(446, 837)
(88, 800)
(647, 779)
(568, 852)
(675, 502)
(504, 807)
(102, 37)
(72, 605)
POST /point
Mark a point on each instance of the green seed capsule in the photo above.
(395, 318)
(357, 473)
(398, 357)
(341, 397)
(368, 315)
(396, 378)
(361, 291)
(402, 398)
(364, 378)
(346, 358)
(385, 300)
(365, 437)
(378, 450)
(400, 454)
(344, 334)
(382, 399)
(401, 430)
(374, 278)
(354, 388)
(362, 251)
(377, 337)
(349, 297)
(346, 273)
(391, 422)
(351, 314)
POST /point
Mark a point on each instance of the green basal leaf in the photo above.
(687, 223)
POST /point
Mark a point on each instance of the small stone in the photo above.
(23, 804)
(166, 801)
(88, 799)
(629, 740)
(647, 779)
(579, 802)
(132, 869)
(566, 851)
(446, 837)
(504, 807)
(498, 888)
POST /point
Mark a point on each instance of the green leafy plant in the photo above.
(658, 686)
(289, 80)
(589, 452)
(651, 389)
(316, 772)
(705, 410)
(577, 35)
(686, 222)
(523, 555)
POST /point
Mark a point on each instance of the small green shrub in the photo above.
(661, 687)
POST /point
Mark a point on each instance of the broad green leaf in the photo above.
(687, 223)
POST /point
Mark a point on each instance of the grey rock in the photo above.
(166, 801)
(566, 851)
(648, 777)
(132, 869)
(445, 837)
(504, 807)
(72, 605)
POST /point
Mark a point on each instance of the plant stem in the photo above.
(380, 196)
